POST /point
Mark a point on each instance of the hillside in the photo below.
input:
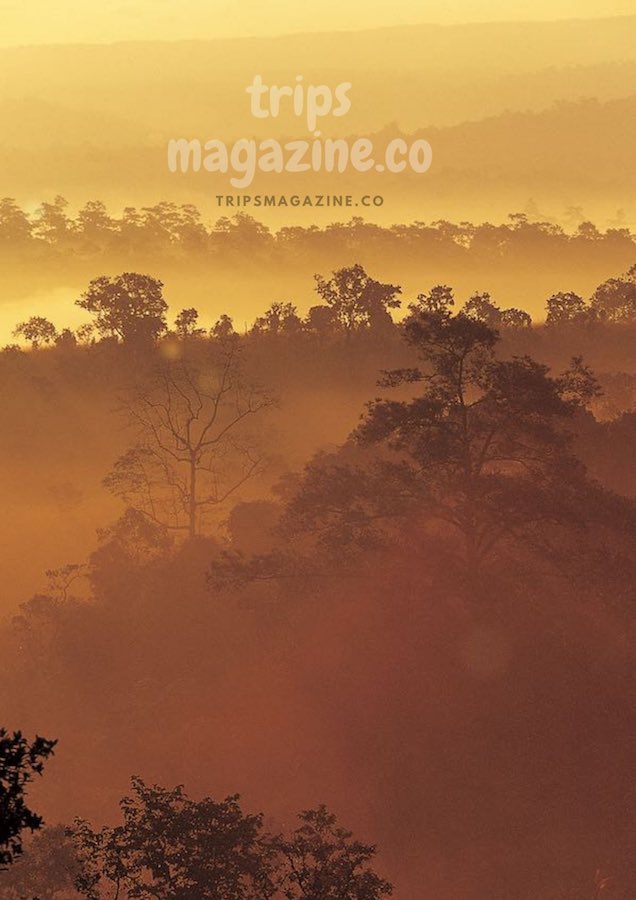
(99, 119)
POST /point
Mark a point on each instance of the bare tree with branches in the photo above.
(194, 446)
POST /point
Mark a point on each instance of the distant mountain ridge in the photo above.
(501, 104)
(455, 71)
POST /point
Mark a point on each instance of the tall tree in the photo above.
(194, 447)
(482, 449)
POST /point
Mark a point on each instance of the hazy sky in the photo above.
(44, 21)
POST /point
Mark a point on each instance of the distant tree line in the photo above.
(178, 230)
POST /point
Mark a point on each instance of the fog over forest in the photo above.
(378, 555)
(318, 569)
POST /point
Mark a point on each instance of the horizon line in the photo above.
(320, 33)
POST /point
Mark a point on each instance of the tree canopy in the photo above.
(128, 306)
(20, 760)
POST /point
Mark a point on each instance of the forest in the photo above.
(50, 251)
(340, 605)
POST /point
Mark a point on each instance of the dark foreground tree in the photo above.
(321, 861)
(20, 760)
(175, 848)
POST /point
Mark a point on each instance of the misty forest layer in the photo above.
(383, 573)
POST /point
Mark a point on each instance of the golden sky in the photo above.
(78, 21)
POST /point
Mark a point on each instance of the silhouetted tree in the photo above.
(128, 306)
(483, 448)
(357, 300)
(186, 323)
(515, 318)
(439, 299)
(615, 299)
(37, 330)
(566, 309)
(279, 319)
(481, 307)
(194, 449)
(67, 339)
(223, 328)
(171, 846)
(20, 760)
(322, 861)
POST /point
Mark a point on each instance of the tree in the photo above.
(223, 328)
(52, 223)
(186, 324)
(515, 318)
(20, 760)
(173, 847)
(94, 223)
(481, 307)
(37, 330)
(483, 449)
(357, 300)
(322, 861)
(566, 309)
(439, 299)
(15, 226)
(279, 319)
(193, 448)
(322, 320)
(615, 299)
(84, 333)
(128, 306)
(66, 339)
